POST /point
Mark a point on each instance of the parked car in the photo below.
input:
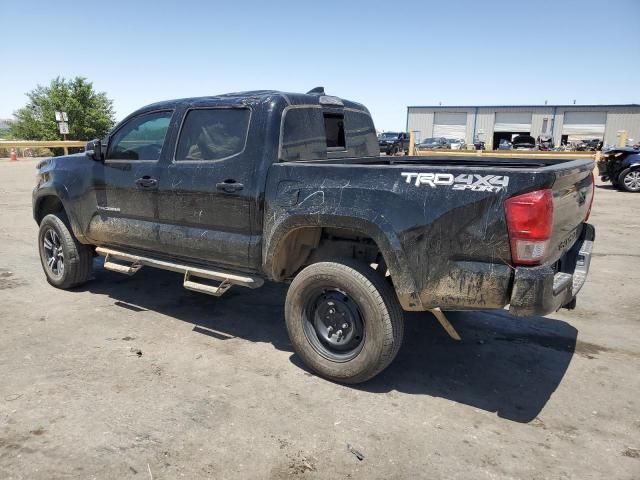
(236, 189)
(589, 145)
(478, 144)
(455, 143)
(524, 142)
(621, 166)
(434, 143)
(393, 143)
(505, 144)
(545, 143)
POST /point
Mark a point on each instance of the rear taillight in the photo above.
(593, 194)
(530, 223)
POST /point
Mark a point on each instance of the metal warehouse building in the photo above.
(492, 123)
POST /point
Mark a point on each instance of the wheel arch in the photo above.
(49, 201)
(46, 204)
(301, 240)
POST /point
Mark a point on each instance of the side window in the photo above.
(213, 134)
(303, 136)
(361, 134)
(310, 134)
(141, 138)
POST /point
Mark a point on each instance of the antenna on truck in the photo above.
(316, 91)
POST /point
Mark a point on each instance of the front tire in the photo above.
(66, 262)
(344, 320)
(630, 180)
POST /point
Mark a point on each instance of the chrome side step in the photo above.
(117, 267)
(136, 262)
(215, 290)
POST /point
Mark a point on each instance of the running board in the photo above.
(136, 262)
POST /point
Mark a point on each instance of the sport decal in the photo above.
(465, 181)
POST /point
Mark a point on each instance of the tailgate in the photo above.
(573, 192)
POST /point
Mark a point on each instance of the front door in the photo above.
(208, 189)
(127, 203)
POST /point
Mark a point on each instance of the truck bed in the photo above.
(446, 241)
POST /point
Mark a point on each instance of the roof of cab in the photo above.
(252, 97)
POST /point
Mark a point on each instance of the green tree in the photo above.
(90, 112)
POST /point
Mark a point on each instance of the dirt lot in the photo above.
(139, 378)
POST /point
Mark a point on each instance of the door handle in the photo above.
(147, 182)
(229, 186)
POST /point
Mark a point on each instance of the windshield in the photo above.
(389, 135)
(523, 139)
(430, 140)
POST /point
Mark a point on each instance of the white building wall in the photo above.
(483, 119)
(484, 126)
(420, 120)
(622, 119)
(539, 114)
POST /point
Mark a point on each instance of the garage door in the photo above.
(513, 122)
(450, 125)
(584, 125)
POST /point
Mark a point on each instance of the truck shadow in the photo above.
(503, 364)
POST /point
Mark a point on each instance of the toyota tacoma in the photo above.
(238, 189)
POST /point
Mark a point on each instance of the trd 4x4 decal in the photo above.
(464, 181)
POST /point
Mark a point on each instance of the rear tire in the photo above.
(66, 262)
(351, 297)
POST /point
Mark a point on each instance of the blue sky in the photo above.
(386, 55)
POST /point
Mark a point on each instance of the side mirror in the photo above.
(93, 149)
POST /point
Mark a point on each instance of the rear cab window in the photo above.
(313, 133)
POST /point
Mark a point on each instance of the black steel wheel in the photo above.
(333, 324)
(344, 320)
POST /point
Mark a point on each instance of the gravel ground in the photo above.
(138, 378)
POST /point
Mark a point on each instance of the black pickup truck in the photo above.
(393, 143)
(235, 189)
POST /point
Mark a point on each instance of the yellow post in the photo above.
(412, 143)
(622, 138)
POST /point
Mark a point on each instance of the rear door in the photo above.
(208, 189)
(126, 196)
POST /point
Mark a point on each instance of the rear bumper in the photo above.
(545, 289)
